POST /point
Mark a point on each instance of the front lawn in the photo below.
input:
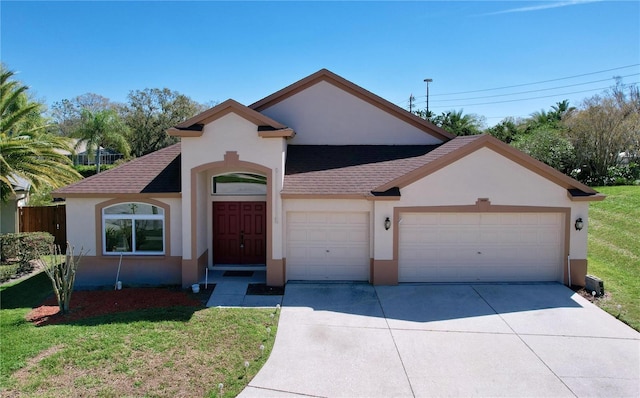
(614, 251)
(160, 352)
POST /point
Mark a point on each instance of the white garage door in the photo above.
(327, 246)
(486, 247)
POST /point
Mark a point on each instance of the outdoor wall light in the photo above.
(387, 223)
(579, 224)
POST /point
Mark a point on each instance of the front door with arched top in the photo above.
(239, 233)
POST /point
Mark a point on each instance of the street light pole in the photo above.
(428, 81)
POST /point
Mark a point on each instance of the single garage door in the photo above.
(480, 247)
(328, 246)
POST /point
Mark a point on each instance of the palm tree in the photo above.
(102, 129)
(457, 123)
(26, 150)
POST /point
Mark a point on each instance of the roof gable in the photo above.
(459, 147)
(194, 127)
(325, 75)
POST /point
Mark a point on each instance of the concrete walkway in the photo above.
(231, 291)
(515, 340)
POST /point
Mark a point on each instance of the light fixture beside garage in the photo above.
(387, 223)
(579, 224)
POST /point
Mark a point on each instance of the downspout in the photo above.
(569, 269)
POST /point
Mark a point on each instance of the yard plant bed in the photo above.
(88, 304)
(132, 342)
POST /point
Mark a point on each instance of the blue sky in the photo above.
(212, 51)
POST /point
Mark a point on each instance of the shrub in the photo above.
(23, 247)
(89, 170)
(7, 271)
(626, 174)
(62, 274)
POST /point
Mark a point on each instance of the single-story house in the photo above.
(10, 209)
(324, 180)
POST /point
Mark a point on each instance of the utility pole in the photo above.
(411, 100)
(428, 81)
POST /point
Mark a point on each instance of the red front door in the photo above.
(239, 235)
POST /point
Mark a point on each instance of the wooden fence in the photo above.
(50, 219)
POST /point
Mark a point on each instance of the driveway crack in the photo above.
(404, 368)
(523, 342)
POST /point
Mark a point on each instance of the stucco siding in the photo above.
(486, 174)
(81, 223)
(326, 115)
(9, 217)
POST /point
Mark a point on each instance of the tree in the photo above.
(456, 123)
(150, 112)
(27, 150)
(67, 114)
(559, 111)
(507, 130)
(605, 126)
(548, 146)
(102, 129)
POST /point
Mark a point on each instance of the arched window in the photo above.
(133, 228)
(239, 184)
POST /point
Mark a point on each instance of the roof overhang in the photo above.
(194, 127)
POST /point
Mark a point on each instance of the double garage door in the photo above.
(432, 247)
(328, 246)
(480, 247)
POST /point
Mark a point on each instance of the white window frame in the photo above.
(133, 218)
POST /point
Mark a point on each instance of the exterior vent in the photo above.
(594, 284)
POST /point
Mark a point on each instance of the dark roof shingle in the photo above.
(356, 169)
(157, 172)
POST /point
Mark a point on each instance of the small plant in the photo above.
(62, 274)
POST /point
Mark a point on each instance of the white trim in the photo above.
(133, 218)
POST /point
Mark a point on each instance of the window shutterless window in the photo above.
(133, 228)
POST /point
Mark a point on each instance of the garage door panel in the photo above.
(489, 247)
(328, 246)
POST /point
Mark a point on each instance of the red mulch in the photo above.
(86, 304)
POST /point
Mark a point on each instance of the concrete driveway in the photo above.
(514, 340)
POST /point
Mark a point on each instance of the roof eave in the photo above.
(185, 129)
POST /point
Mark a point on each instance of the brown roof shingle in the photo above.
(157, 172)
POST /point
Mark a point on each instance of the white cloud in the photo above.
(544, 6)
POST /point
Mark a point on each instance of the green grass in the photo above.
(156, 352)
(614, 250)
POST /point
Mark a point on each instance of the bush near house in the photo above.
(18, 250)
(89, 170)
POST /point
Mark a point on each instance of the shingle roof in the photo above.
(356, 169)
(157, 172)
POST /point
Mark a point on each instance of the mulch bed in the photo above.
(260, 289)
(87, 304)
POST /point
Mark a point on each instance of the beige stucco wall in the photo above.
(81, 223)
(9, 217)
(324, 115)
(230, 133)
(486, 174)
